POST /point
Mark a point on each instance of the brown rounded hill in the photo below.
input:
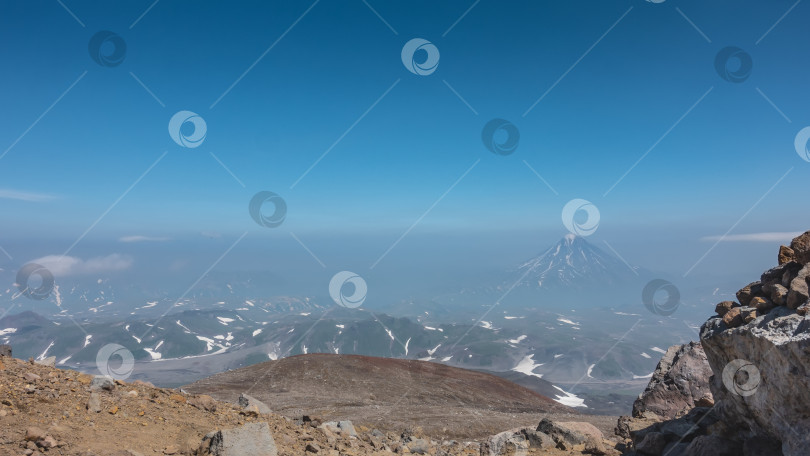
(388, 394)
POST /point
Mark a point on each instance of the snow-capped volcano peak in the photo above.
(574, 262)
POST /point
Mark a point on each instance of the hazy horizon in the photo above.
(385, 162)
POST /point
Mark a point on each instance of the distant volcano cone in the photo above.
(574, 263)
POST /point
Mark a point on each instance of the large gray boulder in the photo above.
(762, 377)
(252, 439)
(680, 383)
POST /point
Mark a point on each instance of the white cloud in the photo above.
(754, 237)
(19, 195)
(138, 238)
(61, 266)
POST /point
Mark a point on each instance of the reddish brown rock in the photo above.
(733, 318)
(786, 254)
(749, 291)
(722, 307)
(763, 305)
(33, 433)
(801, 248)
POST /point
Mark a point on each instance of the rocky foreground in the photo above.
(745, 388)
(49, 411)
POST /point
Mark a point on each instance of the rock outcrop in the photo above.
(675, 408)
(680, 383)
(759, 357)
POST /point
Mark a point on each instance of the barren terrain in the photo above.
(392, 395)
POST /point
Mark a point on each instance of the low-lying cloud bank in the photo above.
(63, 266)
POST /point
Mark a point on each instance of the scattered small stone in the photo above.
(49, 361)
(94, 403)
(102, 382)
(33, 433)
(47, 442)
(30, 377)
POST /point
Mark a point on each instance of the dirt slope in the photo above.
(137, 417)
(48, 411)
(392, 395)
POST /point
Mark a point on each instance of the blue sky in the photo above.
(609, 100)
